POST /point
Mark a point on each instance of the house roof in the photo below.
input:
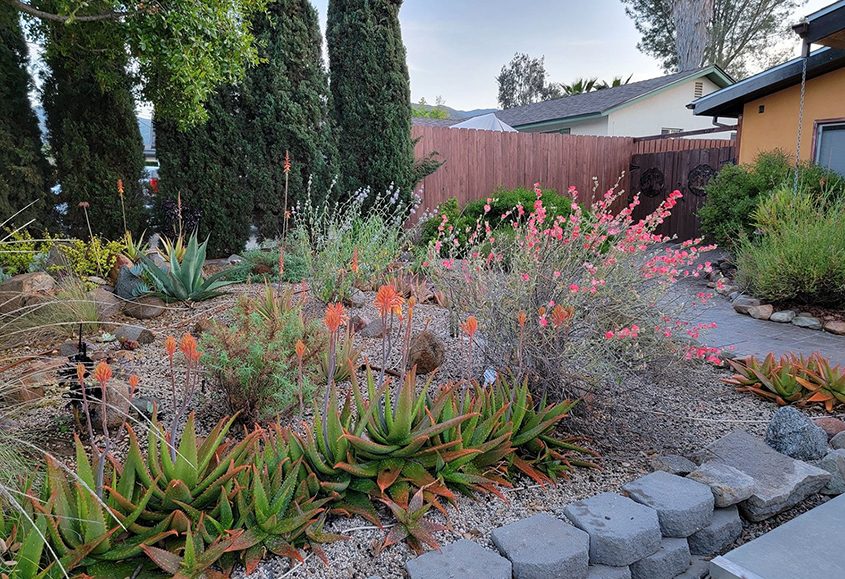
(428, 122)
(601, 102)
(825, 26)
(729, 101)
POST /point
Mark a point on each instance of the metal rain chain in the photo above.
(806, 56)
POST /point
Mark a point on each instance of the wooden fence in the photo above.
(477, 163)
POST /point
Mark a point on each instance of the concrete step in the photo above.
(803, 548)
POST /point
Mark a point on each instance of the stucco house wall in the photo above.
(665, 109)
(776, 126)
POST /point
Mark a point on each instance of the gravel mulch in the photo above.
(676, 410)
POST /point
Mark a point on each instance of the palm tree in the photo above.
(616, 81)
(582, 85)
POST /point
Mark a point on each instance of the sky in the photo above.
(457, 47)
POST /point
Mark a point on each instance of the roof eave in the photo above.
(557, 120)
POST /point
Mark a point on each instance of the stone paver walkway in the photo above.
(748, 336)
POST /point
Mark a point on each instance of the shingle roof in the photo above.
(428, 122)
(591, 103)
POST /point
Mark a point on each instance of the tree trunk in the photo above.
(692, 20)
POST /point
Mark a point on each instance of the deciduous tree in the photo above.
(523, 81)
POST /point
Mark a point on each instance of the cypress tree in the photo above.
(205, 166)
(93, 129)
(24, 171)
(371, 100)
(285, 100)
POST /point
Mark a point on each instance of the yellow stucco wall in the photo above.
(776, 127)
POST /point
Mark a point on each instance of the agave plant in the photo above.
(184, 280)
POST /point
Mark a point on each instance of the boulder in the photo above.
(119, 404)
(783, 316)
(807, 321)
(792, 433)
(761, 312)
(358, 323)
(607, 572)
(838, 441)
(25, 290)
(107, 304)
(743, 303)
(356, 299)
(729, 485)
(835, 327)
(133, 333)
(427, 352)
(672, 463)
(202, 326)
(374, 329)
(128, 286)
(145, 308)
(834, 463)
(780, 482)
(120, 261)
(832, 426)
(683, 505)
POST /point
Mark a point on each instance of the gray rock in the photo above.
(374, 329)
(427, 352)
(834, 463)
(792, 433)
(607, 572)
(672, 463)
(729, 485)
(144, 308)
(544, 546)
(133, 333)
(733, 295)
(235, 259)
(671, 559)
(836, 327)
(698, 569)
(683, 505)
(742, 304)
(838, 441)
(780, 482)
(459, 560)
(808, 322)
(724, 529)
(106, 303)
(621, 531)
(128, 286)
(356, 299)
(783, 316)
(761, 312)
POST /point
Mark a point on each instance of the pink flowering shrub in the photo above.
(574, 300)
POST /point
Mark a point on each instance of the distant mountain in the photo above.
(457, 114)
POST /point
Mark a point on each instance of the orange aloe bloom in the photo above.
(521, 318)
(335, 316)
(120, 187)
(170, 346)
(470, 326)
(388, 301)
(80, 372)
(188, 345)
(354, 267)
(133, 383)
(560, 315)
(287, 162)
(300, 349)
(102, 373)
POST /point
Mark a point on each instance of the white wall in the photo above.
(596, 126)
(667, 109)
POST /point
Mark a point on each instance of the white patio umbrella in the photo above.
(488, 122)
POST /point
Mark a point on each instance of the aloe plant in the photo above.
(22, 542)
(184, 280)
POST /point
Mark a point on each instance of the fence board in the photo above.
(476, 163)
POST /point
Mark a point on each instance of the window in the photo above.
(669, 131)
(565, 131)
(830, 146)
(699, 89)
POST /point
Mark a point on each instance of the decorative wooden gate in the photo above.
(655, 175)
